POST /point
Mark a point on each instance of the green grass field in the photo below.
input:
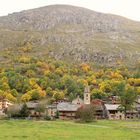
(62, 130)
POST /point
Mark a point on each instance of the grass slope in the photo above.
(58, 130)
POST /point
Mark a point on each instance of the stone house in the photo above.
(99, 108)
(32, 108)
(132, 114)
(113, 112)
(135, 111)
(51, 111)
(137, 107)
(67, 110)
(4, 104)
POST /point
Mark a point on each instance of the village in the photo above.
(104, 109)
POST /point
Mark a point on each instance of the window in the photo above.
(51, 112)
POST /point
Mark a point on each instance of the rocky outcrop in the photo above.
(68, 32)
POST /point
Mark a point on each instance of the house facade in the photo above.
(99, 108)
(51, 111)
(32, 109)
(78, 101)
(113, 112)
(67, 110)
(134, 113)
(4, 104)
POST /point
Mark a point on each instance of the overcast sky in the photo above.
(127, 8)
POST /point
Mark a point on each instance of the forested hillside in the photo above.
(26, 78)
(53, 52)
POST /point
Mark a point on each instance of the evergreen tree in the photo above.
(24, 112)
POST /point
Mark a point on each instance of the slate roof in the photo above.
(98, 107)
(31, 105)
(66, 106)
(51, 106)
(112, 106)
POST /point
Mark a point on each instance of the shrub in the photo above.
(86, 113)
(13, 111)
(48, 118)
(40, 108)
(57, 115)
(24, 112)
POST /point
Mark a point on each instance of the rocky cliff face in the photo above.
(68, 32)
(53, 16)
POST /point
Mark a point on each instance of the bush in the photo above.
(57, 115)
(24, 112)
(13, 111)
(86, 113)
(3, 117)
(40, 108)
(48, 118)
(16, 111)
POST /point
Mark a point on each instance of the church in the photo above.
(67, 110)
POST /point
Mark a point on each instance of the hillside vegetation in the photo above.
(53, 52)
(25, 78)
(72, 33)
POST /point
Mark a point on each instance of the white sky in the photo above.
(127, 8)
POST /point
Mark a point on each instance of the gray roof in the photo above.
(31, 105)
(112, 106)
(66, 106)
(51, 106)
(99, 107)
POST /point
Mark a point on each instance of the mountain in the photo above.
(71, 33)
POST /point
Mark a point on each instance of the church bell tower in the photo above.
(87, 95)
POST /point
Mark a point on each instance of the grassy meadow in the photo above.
(63, 130)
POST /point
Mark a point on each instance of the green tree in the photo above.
(127, 96)
(105, 86)
(14, 92)
(40, 108)
(86, 113)
(58, 95)
(24, 112)
(97, 93)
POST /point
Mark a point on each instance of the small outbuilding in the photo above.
(51, 111)
(113, 112)
(32, 108)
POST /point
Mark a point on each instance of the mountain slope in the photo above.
(72, 33)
